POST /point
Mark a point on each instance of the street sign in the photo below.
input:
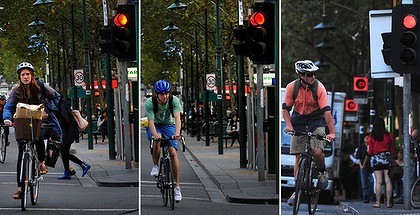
(210, 81)
(132, 73)
(79, 77)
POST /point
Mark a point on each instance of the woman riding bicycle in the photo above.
(34, 92)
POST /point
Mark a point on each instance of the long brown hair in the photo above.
(28, 94)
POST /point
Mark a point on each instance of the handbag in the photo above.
(53, 151)
(81, 122)
(395, 171)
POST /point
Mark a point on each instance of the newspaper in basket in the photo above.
(23, 124)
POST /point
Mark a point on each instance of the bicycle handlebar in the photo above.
(167, 139)
(310, 134)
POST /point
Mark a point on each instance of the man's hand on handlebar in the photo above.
(176, 136)
(330, 137)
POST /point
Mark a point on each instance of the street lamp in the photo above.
(42, 2)
(177, 5)
(171, 27)
(36, 23)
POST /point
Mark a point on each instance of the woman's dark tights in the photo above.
(66, 157)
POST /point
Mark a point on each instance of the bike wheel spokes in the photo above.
(25, 181)
(2, 147)
(171, 183)
(162, 181)
(415, 194)
(34, 187)
(300, 185)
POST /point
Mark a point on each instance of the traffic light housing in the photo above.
(123, 31)
(405, 38)
(257, 40)
(106, 37)
(260, 33)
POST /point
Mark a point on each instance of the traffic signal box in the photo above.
(123, 31)
(405, 38)
(351, 111)
(258, 39)
(360, 89)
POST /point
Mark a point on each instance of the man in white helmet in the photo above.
(311, 112)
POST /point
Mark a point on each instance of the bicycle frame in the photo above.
(304, 186)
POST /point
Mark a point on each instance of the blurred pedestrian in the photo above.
(5, 128)
(381, 147)
(232, 129)
(102, 124)
(363, 160)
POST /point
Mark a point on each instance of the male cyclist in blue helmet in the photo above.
(163, 124)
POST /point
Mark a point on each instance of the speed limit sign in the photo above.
(210, 81)
(79, 77)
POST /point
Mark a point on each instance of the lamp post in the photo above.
(219, 81)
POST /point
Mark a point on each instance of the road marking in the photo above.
(76, 209)
(183, 197)
(182, 183)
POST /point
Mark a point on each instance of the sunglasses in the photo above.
(310, 74)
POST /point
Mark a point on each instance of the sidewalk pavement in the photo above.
(358, 207)
(239, 185)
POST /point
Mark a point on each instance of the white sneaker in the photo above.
(155, 171)
(291, 201)
(178, 195)
(323, 180)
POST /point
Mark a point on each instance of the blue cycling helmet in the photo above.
(162, 86)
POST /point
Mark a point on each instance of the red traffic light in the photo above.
(120, 20)
(409, 21)
(351, 106)
(257, 19)
(360, 84)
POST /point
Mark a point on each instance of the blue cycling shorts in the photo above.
(167, 131)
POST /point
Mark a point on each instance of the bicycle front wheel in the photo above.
(34, 186)
(301, 184)
(313, 193)
(162, 181)
(171, 184)
(3, 146)
(25, 169)
(415, 194)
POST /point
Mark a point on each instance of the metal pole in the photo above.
(126, 122)
(206, 56)
(197, 85)
(74, 64)
(260, 122)
(277, 63)
(219, 81)
(87, 75)
(109, 94)
(241, 98)
(406, 134)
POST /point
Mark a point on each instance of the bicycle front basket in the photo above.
(23, 128)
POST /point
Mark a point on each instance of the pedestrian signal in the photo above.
(351, 106)
(360, 84)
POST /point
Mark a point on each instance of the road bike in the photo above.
(415, 194)
(166, 179)
(306, 188)
(3, 144)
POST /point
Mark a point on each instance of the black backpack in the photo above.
(314, 89)
(156, 108)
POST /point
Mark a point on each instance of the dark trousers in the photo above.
(66, 157)
(40, 149)
(235, 136)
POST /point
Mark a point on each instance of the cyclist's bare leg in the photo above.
(319, 158)
(297, 157)
(175, 162)
(156, 152)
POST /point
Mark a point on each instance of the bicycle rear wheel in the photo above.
(171, 183)
(25, 180)
(415, 194)
(301, 184)
(3, 146)
(34, 186)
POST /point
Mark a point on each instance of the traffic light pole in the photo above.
(126, 121)
(406, 134)
(260, 122)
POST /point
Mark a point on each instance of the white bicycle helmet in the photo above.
(304, 66)
(24, 65)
